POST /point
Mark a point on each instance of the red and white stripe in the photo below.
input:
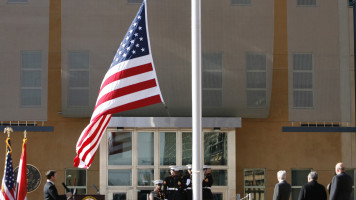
(21, 193)
(128, 85)
(7, 194)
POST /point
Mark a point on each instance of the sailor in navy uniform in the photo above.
(188, 182)
(207, 183)
(168, 184)
(157, 193)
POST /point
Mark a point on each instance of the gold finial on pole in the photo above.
(8, 130)
(25, 134)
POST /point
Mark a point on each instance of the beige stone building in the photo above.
(278, 92)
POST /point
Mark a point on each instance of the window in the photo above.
(254, 183)
(187, 148)
(306, 2)
(134, 1)
(31, 78)
(212, 79)
(215, 148)
(351, 3)
(17, 1)
(76, 180)
(241, 2)
(78, 86)
(352, 173)
(302, 81)
(168, 148)
(136, 157)
(299, 178)
(256, 80)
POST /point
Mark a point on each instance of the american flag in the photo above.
(8, 183)
(130, 83)
(21, 193)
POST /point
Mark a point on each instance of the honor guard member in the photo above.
(188, 182)
(168, 184)
(207, 183)
(157, 193)
(179, 184)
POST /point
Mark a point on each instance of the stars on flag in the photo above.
(135, 43)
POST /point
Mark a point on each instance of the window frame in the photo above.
(77, 187)
(259, 89)
(306, 5)
(216, 70)
(81, 88)
(134, 188)
(255, 187)
(295, 71)
(298, 186)
(27, 69)
(241, 4)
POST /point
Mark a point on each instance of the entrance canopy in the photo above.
(174, 122)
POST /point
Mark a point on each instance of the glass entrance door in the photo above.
(131, 159)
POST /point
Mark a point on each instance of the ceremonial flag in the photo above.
(21, 193)
(8, 183)
(129, 83)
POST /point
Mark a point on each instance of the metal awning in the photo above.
(174, 122)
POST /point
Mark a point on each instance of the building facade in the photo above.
(277, 88)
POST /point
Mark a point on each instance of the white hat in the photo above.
(189, 166)
(206, 167)
(156, 182)
(178, 168)
(172, 167)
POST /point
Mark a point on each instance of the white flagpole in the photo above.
(196, 100)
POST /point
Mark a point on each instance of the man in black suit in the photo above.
(282, 189)
(50, 190)
(312, 190)
(341, 185)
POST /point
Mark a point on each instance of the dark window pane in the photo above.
(303, 99)
(256, 98)
(255, 62)
(215, 148)
(119, 177)
(168, 148)
(31, 78)
(120, 148)
(299, 177)
(187, 148)
(256, 193)
(119, 196)
(302, 62)
(30, 97)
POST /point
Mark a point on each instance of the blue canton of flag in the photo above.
(135, 42)
(8, 183)
(9, 178)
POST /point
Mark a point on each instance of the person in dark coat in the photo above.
(341, 185)
(50, 190)
(157, 193)
(312, 190)
(207, 183)
(282, 189)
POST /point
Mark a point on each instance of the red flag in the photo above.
(8, 183)
(21, 193)
(129, 83)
